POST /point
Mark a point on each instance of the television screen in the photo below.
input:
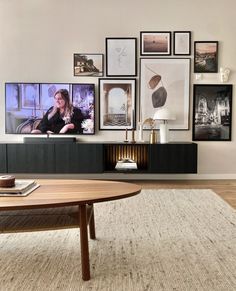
(41, 108)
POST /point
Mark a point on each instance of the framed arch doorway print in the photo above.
(117, 104)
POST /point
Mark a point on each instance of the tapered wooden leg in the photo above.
(84, 243)
(92, 224)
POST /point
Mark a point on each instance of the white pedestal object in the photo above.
(164, 132)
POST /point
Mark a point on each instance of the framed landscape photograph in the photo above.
(212, 112)
(164, 83)
(182, 43)
(117, 104)
(205, 56)
(121, 56)
(155, 43)
(88, 65)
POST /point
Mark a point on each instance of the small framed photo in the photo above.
(212, 112)
(121, 56)
(88, 65)
(205, 56)
(30, 96)
(182, 43)
(117, 104)
(155, 43)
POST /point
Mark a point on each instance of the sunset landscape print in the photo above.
(205, 57)
(155, 43)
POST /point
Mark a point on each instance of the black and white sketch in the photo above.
(121, 55)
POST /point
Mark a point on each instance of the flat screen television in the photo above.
(26, 104)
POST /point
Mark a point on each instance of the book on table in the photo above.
(21, 188)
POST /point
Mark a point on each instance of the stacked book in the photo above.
(21, 188)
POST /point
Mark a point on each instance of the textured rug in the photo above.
(158, 240)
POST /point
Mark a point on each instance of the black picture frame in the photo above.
(212, 112)
(206, 56)
(155, 43)
(91, 65)
(113, 114)
(121, 56)
(182, 43)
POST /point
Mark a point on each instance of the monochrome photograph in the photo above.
(212, 112)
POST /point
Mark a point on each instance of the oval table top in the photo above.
(55, 193)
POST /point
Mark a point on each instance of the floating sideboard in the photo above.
(171, 158)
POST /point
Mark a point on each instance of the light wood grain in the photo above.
(52, 193)
(226, 189)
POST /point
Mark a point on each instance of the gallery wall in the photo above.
(38, 39)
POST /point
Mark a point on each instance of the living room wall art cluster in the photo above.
(163, 82)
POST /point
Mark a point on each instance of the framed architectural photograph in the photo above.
(155, 43)
(212, 112)
(205, 56)
(164, 83)
(88, 65)
(182, 43)
(30, 96)
(117, 104)
(121, 57)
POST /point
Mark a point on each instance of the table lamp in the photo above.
(164, 115)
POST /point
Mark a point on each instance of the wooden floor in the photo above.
(224, 188)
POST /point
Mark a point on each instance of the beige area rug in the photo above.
(158, 240)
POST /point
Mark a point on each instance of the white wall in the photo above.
(38, 39)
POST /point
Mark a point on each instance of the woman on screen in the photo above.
(63, 117)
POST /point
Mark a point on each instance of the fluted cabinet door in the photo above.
(173, 158)
(3, 158)
(31, 158)
(79, 158)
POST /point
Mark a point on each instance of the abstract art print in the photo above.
(117, 104)
(205, 56)
(164, 83)
(155, 43)
(212, 112)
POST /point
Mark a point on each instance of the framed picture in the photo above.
(121, 56)
(88, 65)
(117, 98)
(205, 56)
(212, 112)
(155, 43)
(30, 96)
(164, 83)
(182, 43)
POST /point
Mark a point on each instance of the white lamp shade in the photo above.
(163, 114)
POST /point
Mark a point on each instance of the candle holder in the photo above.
(133, 137)
(126, 135)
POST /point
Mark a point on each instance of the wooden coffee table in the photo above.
(84, 193)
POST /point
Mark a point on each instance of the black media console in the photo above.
(58, 158)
